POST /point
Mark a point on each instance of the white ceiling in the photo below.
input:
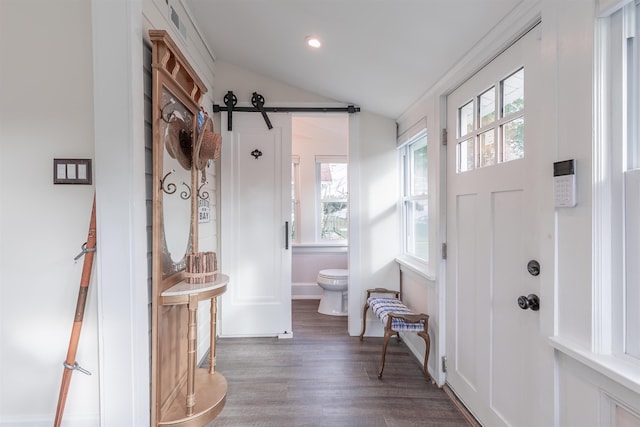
(381, 55)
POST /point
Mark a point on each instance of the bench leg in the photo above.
(387, 336)
(364, 320)
(427, 342)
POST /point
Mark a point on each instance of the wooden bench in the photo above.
(396, 317)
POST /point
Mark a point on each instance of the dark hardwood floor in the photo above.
(324, 377)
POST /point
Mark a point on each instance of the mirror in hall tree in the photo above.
(176, 183)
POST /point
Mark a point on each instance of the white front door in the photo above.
(491, 236)
(255, 210)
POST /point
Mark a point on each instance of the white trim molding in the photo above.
(121, 260)
(620, 370)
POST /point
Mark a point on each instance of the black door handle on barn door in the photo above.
(286, 234)
(530, 301)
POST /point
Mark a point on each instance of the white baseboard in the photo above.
(305, 290)
(375, 328)
(415, 344)
(46, 421)
(300, 297)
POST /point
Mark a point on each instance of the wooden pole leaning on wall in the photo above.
(70, 365)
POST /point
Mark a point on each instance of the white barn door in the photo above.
(491, 236)
(255, 208)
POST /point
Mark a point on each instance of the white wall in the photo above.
(121, 259)
(46, 112)
(373, 232)
(574, 44)
(423, 286)
(243, 83)
(421, 296)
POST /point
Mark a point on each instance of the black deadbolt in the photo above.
(533, 267)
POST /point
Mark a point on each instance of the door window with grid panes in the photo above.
(491, 125)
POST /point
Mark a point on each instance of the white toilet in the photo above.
(334, 291)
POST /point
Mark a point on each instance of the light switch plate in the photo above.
(72, 171)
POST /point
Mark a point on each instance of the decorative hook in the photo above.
(204, 195)
(185, 194)
(256, 153)
(171, 115)
(170, 187)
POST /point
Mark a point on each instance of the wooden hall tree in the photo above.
(181, 393)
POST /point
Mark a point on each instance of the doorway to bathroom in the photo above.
(319, 204)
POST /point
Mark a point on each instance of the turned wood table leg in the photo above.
(213, 333)
(192, 338)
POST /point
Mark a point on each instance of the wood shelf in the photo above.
(212, 392)
(180, 293)
(201, 397)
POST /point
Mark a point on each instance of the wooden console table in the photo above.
(209, 385)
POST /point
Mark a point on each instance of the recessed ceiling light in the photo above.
(313, 42)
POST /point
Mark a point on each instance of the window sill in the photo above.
(314, 248)
(621, 371)
(417, 267)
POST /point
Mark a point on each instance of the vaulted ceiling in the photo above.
(381, 55)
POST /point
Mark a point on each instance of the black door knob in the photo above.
(530, 301)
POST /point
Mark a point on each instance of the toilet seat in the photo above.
(333, 276)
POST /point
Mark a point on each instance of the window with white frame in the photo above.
(415, 197)
(333, 203)
(617, 184)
